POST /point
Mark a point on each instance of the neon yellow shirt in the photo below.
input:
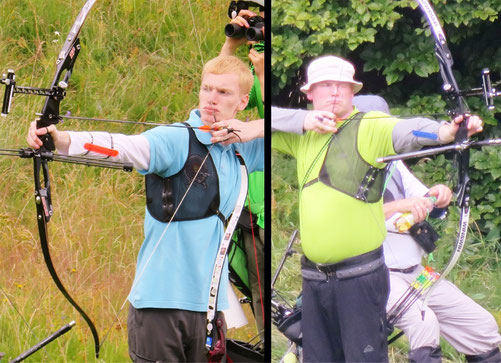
(335, 226)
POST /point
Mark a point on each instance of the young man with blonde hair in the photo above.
(169, 296)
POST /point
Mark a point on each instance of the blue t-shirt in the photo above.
(179, 272)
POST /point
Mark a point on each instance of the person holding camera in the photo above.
(466, 325)
(246, 27)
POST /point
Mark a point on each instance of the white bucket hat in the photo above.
(330, 68)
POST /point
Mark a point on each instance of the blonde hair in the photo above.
(232, 65)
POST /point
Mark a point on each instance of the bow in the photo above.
(50, 116)
(462, 157)
(462, 144)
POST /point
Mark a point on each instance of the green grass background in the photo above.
(140, 60)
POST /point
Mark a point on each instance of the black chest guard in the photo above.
(163, 195)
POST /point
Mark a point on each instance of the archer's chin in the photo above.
(207, 118)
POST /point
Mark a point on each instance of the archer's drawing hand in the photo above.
(61, 138)
(230, 131)
(320, 121)
(448, 131)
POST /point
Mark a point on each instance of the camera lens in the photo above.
(234, 31)
(255, 33)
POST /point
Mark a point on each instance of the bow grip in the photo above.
(462, 133)
(48, 142)
(50, 116)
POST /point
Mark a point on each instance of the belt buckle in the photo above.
(319, 267)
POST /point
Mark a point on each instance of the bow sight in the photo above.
(9, 80)
(487, 90)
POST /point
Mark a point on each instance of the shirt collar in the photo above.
(195, 121)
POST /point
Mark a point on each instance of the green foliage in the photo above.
(386, 38)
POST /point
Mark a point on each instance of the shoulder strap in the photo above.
(221, 253)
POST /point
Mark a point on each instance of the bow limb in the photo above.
(215, 351)
(461, 143)
(44, 212)
(65, 62)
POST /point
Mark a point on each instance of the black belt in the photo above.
(351, 267)
(407, 270)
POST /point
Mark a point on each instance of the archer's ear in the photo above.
(243, 102)
(308, 96)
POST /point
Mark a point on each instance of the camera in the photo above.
(254, 32)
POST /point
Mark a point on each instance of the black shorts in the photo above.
(167, 335)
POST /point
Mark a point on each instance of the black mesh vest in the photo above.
(163, 195)
(344, 169)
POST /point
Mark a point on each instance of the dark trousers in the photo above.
(167, 335)
(344, 320)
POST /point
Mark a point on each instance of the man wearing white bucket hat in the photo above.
(331, 68)
(345, 279)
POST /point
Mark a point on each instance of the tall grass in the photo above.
(478, 272)
(140, 60)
